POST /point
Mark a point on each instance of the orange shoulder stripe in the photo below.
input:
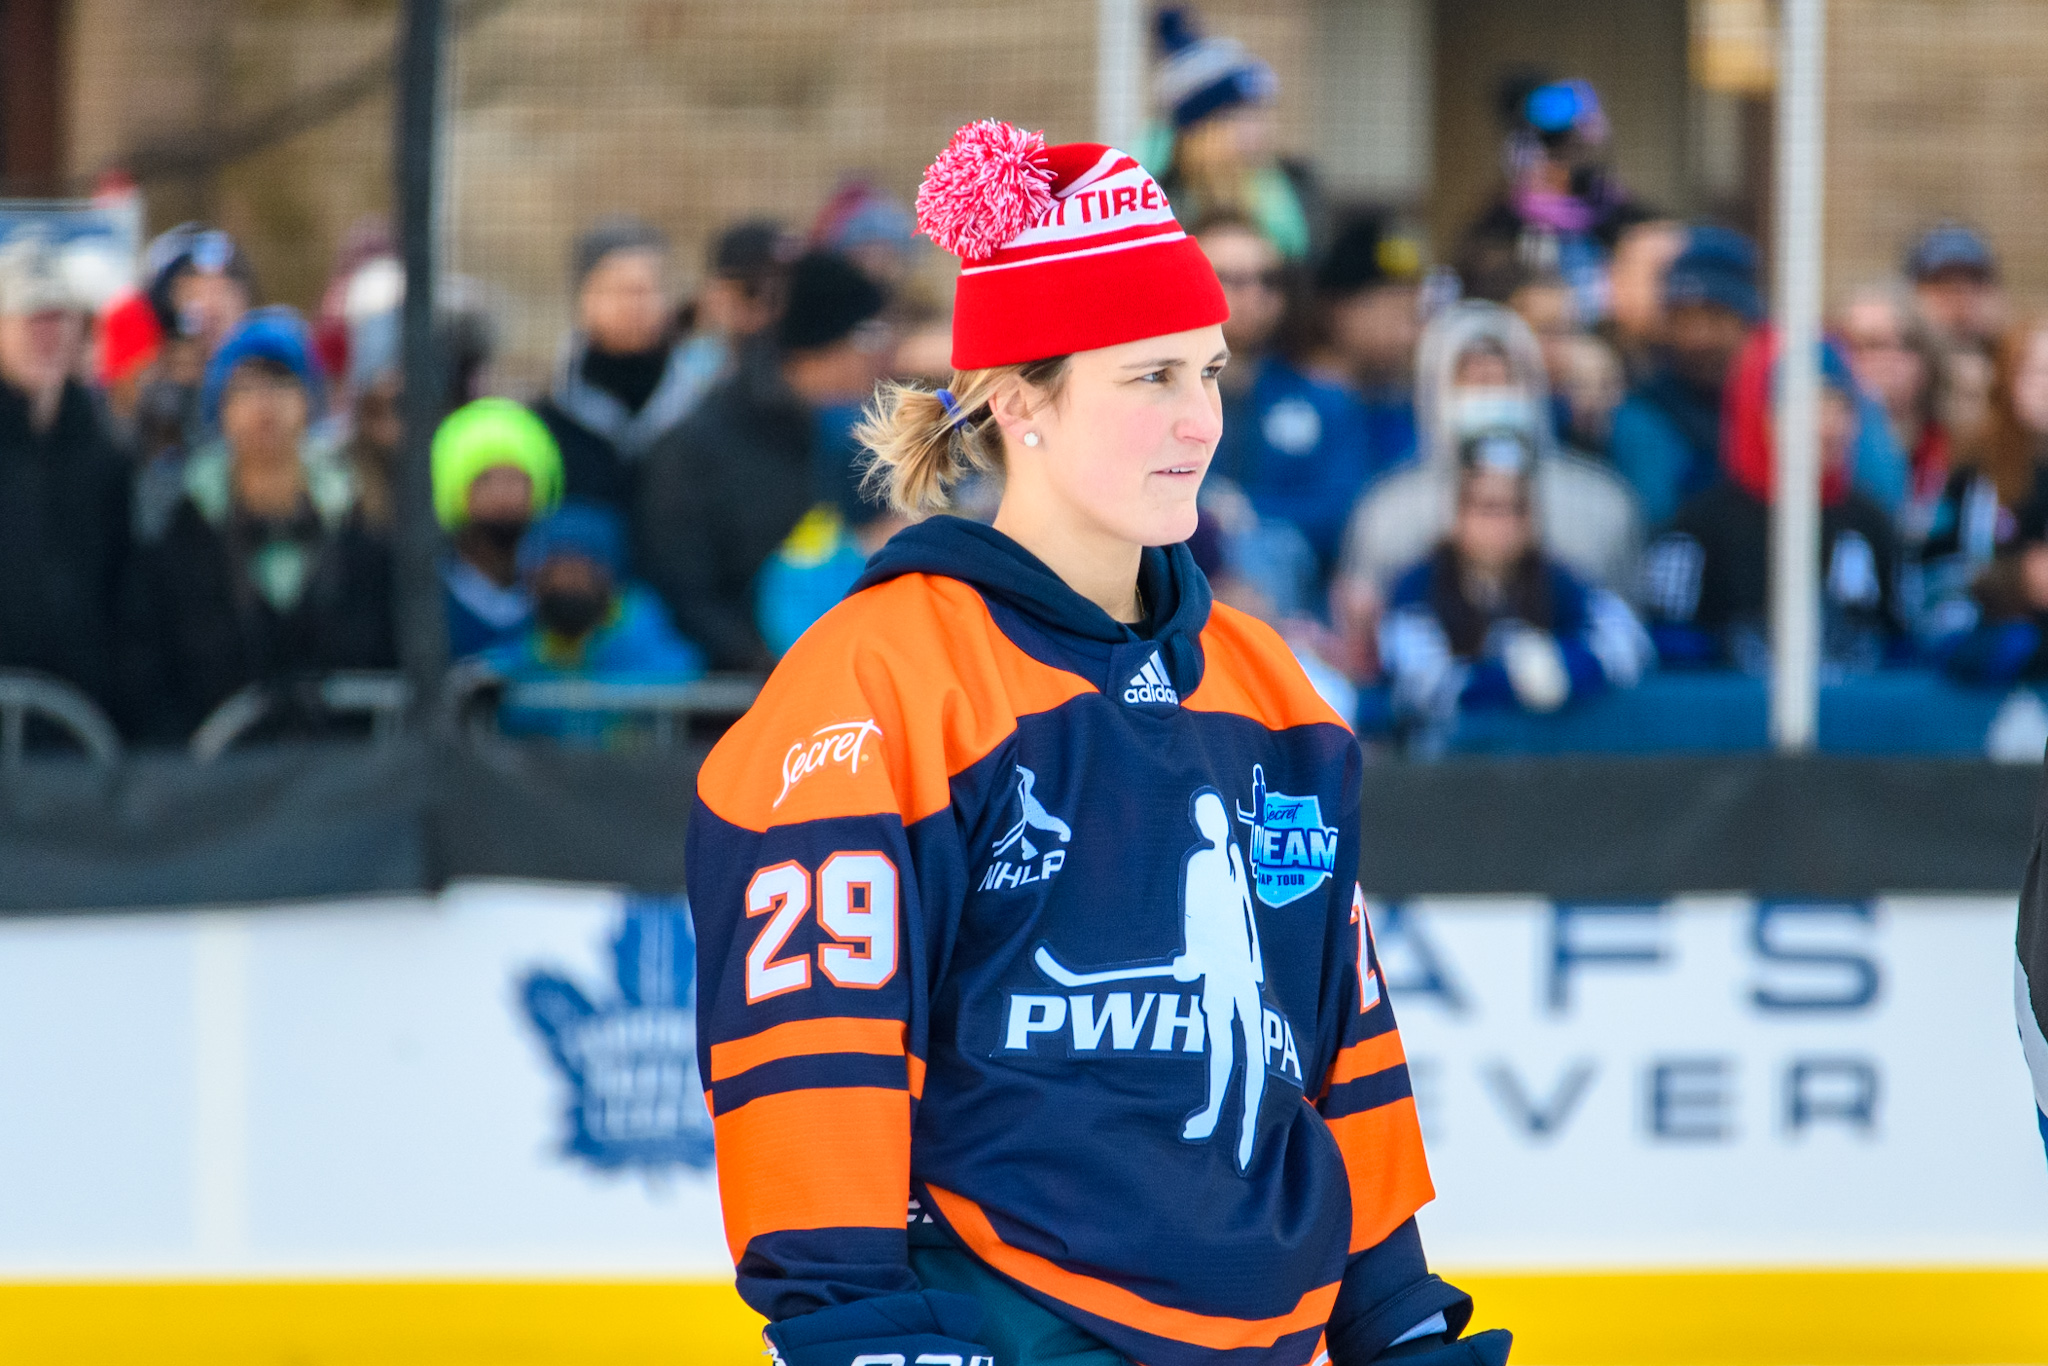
(1247, 669)
(832, 1157)
(1389, 1174)
(877, 707)
(1359, 1060)
(1119, 1305)
(799, 1038)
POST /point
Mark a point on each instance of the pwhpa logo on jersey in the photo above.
(1150, 684)
(1293, 852)
(843, 742)
(1030, 850)
(1220, 1011)
(630, 1055)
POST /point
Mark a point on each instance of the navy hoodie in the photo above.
(1042, 930)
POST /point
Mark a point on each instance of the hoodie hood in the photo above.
(1747, 448)
(1439, 419)
(1049, 620)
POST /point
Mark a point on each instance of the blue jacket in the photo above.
(1666, 441)
(1599, 641)
(636, 645)
(1301, 449)
(991, 891)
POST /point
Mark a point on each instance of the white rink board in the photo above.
(1651, 1118)
(359, 1089)
(370, 1093)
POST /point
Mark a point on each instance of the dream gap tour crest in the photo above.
(1293, 852)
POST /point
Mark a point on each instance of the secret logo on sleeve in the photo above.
(843, 743)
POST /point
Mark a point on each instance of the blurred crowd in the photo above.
(1512, 481)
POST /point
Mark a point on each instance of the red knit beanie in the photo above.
(1062, 249)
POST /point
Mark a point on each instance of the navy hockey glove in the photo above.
(1489, 1348)
(931, 1328)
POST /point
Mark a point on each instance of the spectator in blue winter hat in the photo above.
(589, 622)
(1488, 621)
(1218, 99)
(266, 573)
(1955, 281)
(1666, 435)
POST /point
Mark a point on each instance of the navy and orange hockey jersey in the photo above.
(1044, 929)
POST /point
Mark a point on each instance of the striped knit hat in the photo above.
(1062, 249)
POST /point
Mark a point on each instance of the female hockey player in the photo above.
(1038, 1011)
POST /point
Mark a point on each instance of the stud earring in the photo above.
(1031, 438)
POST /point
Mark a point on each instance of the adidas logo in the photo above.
(1150, 684)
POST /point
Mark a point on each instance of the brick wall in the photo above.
(695, 112)
(1937, 107)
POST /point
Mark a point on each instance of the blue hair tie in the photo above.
(950, 404)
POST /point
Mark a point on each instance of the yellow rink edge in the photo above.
(1693, 1318)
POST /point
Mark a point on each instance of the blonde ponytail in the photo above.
(918, 449)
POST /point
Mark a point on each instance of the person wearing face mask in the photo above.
(589, 622)
(495, 470)
(63, 485)
(623, 382)
(266, 572)
(1481, 369)
(1488, 621)
(1706, 580)
(725, 489)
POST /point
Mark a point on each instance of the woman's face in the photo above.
(1884, 361)
(1492, 530)
(1248, 267)
(2030, 384)
(623, 302)
(1124, 448)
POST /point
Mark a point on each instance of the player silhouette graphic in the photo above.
(1033, 816)
(1220, 945)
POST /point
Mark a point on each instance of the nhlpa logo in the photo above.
(1150, 684)
(631, 1062)
(1293, 852)
(1025, 854)
(1226, 1017)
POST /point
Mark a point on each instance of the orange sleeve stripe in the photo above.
(800, 1038)
(1359, 1060)
(916, 1065)
(1389, 1174)
(826, 1158)
(1119, 1305)
(875, 709)
(1249, 671)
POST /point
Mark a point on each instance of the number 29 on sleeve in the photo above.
(857, 905)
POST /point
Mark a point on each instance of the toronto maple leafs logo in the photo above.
(631, 1061)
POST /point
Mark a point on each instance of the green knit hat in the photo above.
(483, 435)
